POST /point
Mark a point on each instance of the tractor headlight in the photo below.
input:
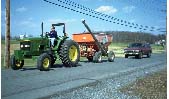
(21, 46)
(27, 45)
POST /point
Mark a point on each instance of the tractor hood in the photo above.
(33, 39)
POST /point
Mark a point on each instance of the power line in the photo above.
(98, 15)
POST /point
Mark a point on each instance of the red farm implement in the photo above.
(94, 46)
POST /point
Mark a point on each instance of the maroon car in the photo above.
(138, 50)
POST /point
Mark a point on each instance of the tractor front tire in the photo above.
(52, 60)
(44, 62)
(111, 56)
(69, 53)
(16, 64)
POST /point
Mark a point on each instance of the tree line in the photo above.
(13, 37)
(122, 36)
(128, 37)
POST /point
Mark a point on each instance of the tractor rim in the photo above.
(18, 63)
(73, 53)
(46, 63)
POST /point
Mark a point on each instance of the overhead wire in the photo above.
(99, 15)
(106, 15)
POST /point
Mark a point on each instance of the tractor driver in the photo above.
(52, 35)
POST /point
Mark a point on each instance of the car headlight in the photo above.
(137, 50)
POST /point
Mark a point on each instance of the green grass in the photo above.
(150, 87)
(157, 48)
(14, 45)
(119, 44)
(11, 42)
(118, 48)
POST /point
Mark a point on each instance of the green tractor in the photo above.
(40, 48)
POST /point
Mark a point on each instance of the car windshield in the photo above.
(135, 45)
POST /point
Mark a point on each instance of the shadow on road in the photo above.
(29, 68)
(52, 67)
(133, 57)
(86, 61)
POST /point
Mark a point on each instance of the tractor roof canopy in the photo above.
(58, 24)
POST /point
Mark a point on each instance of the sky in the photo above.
(27, 16)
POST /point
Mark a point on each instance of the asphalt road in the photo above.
(30, 83)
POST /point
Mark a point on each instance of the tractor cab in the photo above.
(57, 39)
(58, 24)
(61, 24)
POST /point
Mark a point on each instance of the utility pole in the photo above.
(7, 36)
(165, 31)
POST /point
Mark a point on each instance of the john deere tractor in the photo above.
(40, 48)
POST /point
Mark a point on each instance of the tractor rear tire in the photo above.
(16, 64)
(69, 53)
(97, 58)
(111, 56)
(44, 62)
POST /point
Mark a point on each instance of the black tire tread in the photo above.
(64, 53)
(126, 56)
(110, 55)
(40, 60)
(90, 59)
(149, 55)
(140, 56)
(13, 65)
(96, 57)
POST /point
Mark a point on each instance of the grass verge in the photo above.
(153, 86)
